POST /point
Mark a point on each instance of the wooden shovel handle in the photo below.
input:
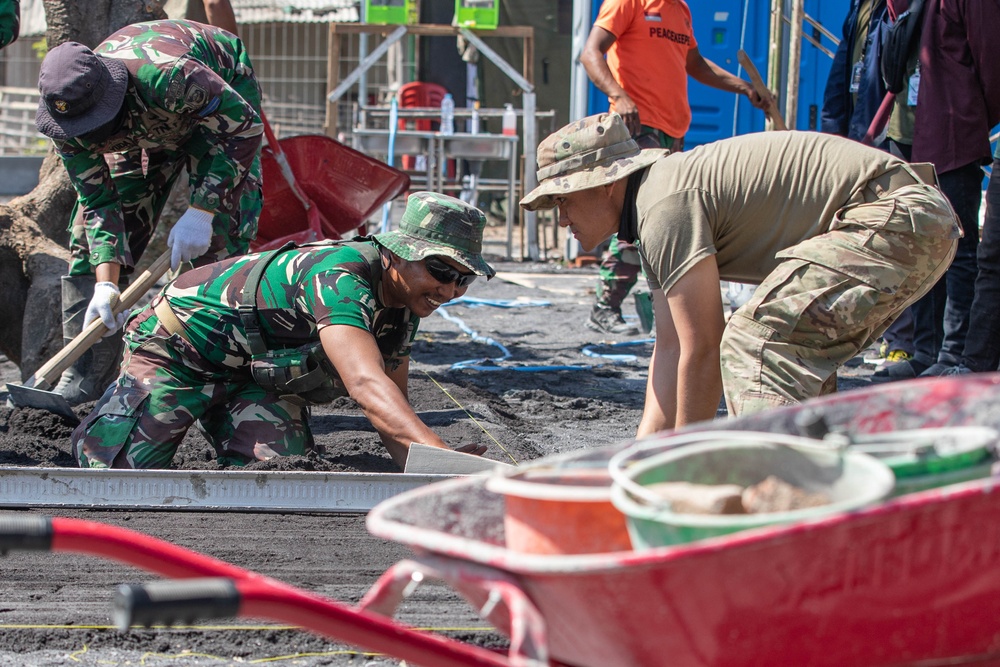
(762, 89)
(46, 376)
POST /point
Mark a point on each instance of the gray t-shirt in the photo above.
(746, 199)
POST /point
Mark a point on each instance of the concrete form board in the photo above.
(322, 492)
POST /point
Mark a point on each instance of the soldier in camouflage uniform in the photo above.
(126, 119)
(840, 236)
(189, 355)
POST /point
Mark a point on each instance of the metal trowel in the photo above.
(35, 392)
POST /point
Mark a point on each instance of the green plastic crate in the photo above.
(479, 14)
(392, 12)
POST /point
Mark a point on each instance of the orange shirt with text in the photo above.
(649, 58)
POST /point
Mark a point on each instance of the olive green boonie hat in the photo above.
(435, 224)
(593, 151)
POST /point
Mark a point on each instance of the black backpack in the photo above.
(900, 45)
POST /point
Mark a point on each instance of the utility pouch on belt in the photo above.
(302, 375)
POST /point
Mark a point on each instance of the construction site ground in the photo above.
(531, 381)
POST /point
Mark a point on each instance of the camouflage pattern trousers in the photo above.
(617, 274)
(164, 388)
(833, 295)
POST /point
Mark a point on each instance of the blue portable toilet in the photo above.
(720, 28)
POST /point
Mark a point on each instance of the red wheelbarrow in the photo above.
(340, 186)
(910, 581)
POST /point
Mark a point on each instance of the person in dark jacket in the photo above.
(854, 89)
(953, 94)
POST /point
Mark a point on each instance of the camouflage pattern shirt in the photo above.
(191, 89)
(302, 291)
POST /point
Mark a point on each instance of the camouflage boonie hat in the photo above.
(435, 224)
(593, 151)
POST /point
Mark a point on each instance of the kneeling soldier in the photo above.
(244, 345)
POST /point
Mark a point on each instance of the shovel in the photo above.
(34, 393)
(762, 89)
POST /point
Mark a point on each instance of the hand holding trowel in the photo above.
(35, 392)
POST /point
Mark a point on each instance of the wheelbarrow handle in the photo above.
(259, 596)
(169, 602)
(25, 533)
(49, 373)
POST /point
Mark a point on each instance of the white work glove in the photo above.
(190, 237)
(101, 306)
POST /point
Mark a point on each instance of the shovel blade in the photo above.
(30, 397)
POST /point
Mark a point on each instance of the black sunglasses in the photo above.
(446, 273)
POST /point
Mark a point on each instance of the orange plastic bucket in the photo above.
(560, 512)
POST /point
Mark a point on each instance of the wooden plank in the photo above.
(427, 460)
(574, 285)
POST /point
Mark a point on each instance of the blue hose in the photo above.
(494, 363)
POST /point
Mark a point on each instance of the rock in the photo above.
(776, 495)
(688, 498)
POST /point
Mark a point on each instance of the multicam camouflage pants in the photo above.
(144, 179)
(833, 295)
(165, 387)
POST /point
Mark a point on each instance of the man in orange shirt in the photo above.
(651, 50)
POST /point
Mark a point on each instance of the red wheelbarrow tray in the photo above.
(910, 581)
(345, 185)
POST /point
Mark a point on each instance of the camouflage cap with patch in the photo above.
(435, 224)
(586, 153)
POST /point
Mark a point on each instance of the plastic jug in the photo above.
(509, 120)
(448, 114)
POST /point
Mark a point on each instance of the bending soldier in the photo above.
(126, 118)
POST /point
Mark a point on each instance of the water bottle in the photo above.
(474, 120)
(509, 120)
(448, 114)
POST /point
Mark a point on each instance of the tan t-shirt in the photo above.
(747, 198)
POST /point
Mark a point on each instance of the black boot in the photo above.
(608, 320)
(97, 367)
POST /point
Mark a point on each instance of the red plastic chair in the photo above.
(419, 94)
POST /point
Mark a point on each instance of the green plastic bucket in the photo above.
(930, 458)
(850, 479)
